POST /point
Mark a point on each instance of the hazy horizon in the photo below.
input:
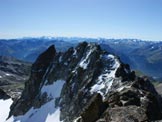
(59, 37)
(139, 19)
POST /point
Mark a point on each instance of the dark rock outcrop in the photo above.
(3, 95)
(94, 109)
(40, 70)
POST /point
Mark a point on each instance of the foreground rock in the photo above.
(85, 84)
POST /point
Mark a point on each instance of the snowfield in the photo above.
(5, 108)
(47, 112)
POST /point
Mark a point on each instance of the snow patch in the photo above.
(60, 59)
(123, 87)
(126, 70)
(123, 102)
(102, 85)
(75, 52)
(47, 71)
(65, 63)
(8, 74)
(75, 120)
(0, 76)
(5, 109)
(105, 80)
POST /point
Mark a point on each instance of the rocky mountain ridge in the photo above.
(10, 66)
(13, 74)
(28, 49)
(85, 84)
(144, 56)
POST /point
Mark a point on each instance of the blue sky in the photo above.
(140, 19)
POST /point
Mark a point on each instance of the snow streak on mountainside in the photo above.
(85, 84)
(107, 77)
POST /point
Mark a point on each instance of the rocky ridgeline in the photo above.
(13, 70)
(13, 74)
(98, 87)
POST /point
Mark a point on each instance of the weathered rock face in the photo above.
(140, 95)
(39, 72)
(3, 95)
(97, 87)
(125, 114)
(94, 109)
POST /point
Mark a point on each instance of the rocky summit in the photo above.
(85, 84)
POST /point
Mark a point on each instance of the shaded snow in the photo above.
(75, 52)
(143, 99)
(60, 59)
(53, 90)
(47, 112)
(4, 109)
(65, 63)
(126, 70)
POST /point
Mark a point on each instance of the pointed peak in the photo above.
(51, 49)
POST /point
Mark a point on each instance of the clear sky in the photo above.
(140, 19)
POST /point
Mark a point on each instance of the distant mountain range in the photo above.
(143, 56)
(29, 48)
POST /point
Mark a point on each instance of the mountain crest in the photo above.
(85, 84)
